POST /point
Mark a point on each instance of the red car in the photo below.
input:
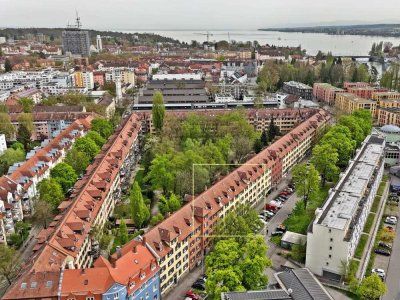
(192, 295)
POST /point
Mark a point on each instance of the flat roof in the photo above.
(344, 199)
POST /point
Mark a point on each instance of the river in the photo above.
(338, 44)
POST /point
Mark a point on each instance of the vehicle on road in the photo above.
(199, 286)
(382, 251)
(191, 295)
(384, 245)
(277, 233)
(391, 220)
(281, 227)
(380, 272)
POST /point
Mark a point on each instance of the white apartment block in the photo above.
(336, 229)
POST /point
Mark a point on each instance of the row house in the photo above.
(326, 93)
(366, 92)
(67, 244)
(19, 187)
(349, 102)
(380, 96)
(181, 241)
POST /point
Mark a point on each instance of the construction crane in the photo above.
(207, 34)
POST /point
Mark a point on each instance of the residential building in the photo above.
(326, 93)
(67, 243)
(350, 85)
(181, 240)
(379, 96)
(365, 92)
(83, 80)
(108, 102)
(387, 116)
(349, 102)
(99, 77)
(19, 187)
(31, 93)
(299, 89)
(297, 284)
(99, 43)
(335, 232)
(3, 144)
(76, 41)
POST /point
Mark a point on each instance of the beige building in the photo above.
(349, 102)
(379, 96)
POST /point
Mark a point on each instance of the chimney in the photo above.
(119, 252)
(144, 241)
(135, 249)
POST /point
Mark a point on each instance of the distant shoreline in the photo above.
(379, 30)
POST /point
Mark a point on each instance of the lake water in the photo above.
(312, 42)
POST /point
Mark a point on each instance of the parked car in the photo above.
(391, 220)
(272, 207)
(199, 286)
(281, 227)
(268, 214)
(381, 273)
(263, 221)
(384, 245)
(277, 233)
(382, 251)
(192, 295)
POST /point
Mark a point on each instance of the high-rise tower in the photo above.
(76, 40)
(99, 43)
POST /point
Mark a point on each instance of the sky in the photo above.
(196, 14)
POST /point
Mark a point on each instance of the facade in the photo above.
(76, 41)
(19, 187)
(349, 102)
(181, 240)
(387, 116)
(299, 89)
(334, 234)
(365, 92)
(326, 93)
(67, 243)
(30, 93)
(379, 96)
(3, 144)
(83, 80)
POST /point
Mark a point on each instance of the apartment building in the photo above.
(334, 234)
(260, 119)
(299, 89)
(31, 93)
(387, 116)
(365, 92)
(67, 244)
(19, 187)
(83, 79)
(379, 96)
(326, 92)
(350, 85)
(181, 240)
(349, 102)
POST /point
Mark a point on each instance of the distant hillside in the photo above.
(55, 34)
(388, 30)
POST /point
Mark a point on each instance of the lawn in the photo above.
(369, 223)
(375, 205)
(361, 245)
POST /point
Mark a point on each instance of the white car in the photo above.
(391, 220)
(381, 273)
(263, 221)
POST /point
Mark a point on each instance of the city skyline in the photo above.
(211, 15)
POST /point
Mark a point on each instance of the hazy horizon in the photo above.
(196, 14)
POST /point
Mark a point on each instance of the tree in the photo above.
(325, 158)
(96, 137)
(7, 66)
(42, 212)
(64, 175)
(10, 157)
(78, 160)
(103, 127)
(156, 219)
(6, 126)
(51, 192)
(17, 145)
(161, 174)
(357, 133)
(364, 118)
(258, 146)
(139, 210)
(264, 138)
(307, 182)
(273, 130)
(24, 136)
(27, 104)
(174, 203)
(123, 233)
(371, 287)
(87, 146)
(158, 110)
(9, 263)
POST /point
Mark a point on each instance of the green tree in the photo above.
(6, 127)
(123, 233)
(9, 263)
(64, 175)
(7, 65)
(42, 213)
(158, 110)
(156, 219)
(24, 136)
(139, 210)
(17, 145)
(325, 158)
(364, 118)
(103, 127)
(79, 161)
(10, 157)
(273, 130)
(307, 182)
(223, 280)
(27, 104)
(264, 138)
(258, 146)
(161, 175)
(51, 192)
(96, 137)
(174, 203)
(87, 146)
(371, 288)
(357, 133)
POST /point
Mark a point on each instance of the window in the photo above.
(147, 295)
(327, 263)
(155, 297)
(330, 248)
(89, 298)
(331, 239)
(116, 296)
(131, 285)
(330, 256)
(155, 288)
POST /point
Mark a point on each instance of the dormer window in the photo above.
(142, 276)
(132, 284)
(153, 267)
